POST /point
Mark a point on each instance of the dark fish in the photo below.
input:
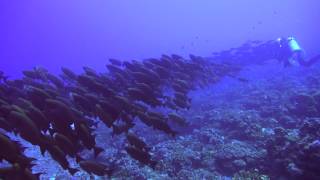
(138, 143)
(27, 128)
(82, 102)
(182, 83)
(93, 98)
(90, 71)
(59, 113)
(12, 152)
(90, 122)
(38, 117)
(142, 77)
(5, 110)
(128, 119)
(77, 89)
(87, 138)
(12, 172)
(142, 156)
(37, 93)
(96, 168)
(176, 57)
(65, 144)
(31, 74)
(122, 102)
(55, 80)
(162, 125)
(113, 110)
(177, 119)
(137, 107)
(64, 100)
(3, 102)
(52, 92)
(156, 115)
(138, 94)
(115, 62)
(181, 96)
(120, 79)
(104, 116)
(144, 118)
(3, 77)
(129, 66)
(165, 56)
(6, 125)
(179, 88)
(166, 61)
(181, 103)
(71, 75)
(18, 109)
(148, 64)
(18, 83)
(145, 88)
(119, 129)
(58, 155)
(106, 91)
(87, 81)
(162, 72)
(114, 69)
(42, 72)
(28, 175)
(9, 150)
(170, 104)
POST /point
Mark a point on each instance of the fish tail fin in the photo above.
(174, 133)
(78, 158)
(97, 151)
(42, 150)
(72, 171)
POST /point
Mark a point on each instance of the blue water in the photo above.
(262, 121)
(77, 33)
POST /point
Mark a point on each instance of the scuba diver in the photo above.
(286, 50)
(291, 54)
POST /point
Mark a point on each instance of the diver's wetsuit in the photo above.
(283, 52)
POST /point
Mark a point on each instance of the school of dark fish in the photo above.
(59, 113)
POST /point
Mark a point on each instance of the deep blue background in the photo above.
(73, 33)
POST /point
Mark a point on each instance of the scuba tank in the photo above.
(296, 53)
(293, 44)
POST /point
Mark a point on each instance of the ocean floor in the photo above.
(262, 128)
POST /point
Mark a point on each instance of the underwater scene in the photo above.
(159, 90)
